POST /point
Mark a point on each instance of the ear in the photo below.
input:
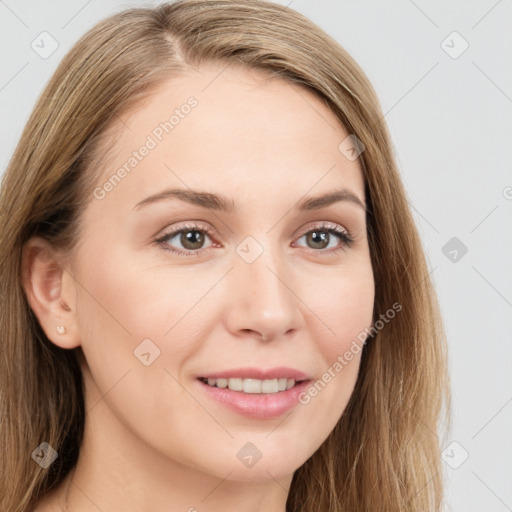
(51, 292)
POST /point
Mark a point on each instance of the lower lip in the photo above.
(257, 405)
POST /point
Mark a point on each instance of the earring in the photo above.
(61, 329)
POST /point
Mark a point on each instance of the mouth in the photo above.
(261, 399)
(252, 386)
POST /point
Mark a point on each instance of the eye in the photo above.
(192, 238)
(321, 237)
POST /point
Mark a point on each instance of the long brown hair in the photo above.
(384, 453)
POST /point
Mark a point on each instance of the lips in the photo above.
(255, 380)
(258, 393)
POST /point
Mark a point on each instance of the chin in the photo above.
(274, 466)
(261, 472)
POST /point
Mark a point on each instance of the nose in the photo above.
(263, 298)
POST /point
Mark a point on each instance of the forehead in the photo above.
(229, 129)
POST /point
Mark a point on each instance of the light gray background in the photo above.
(451, 122)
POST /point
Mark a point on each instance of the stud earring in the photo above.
(61, 329)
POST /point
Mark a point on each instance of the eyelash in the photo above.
(345, 237)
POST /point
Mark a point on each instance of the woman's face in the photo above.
(243, 279)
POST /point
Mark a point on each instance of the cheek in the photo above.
(345, 315)
(126, 295)
(343, 310)
(128, 308)
(346, 310)
(119, 310)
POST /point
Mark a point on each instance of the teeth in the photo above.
(269, 386)
(221, 383)
(235, 384)
(253, 385)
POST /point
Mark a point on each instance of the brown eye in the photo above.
(185, 240)
(330, 236)
(192, 239)
(326, 239)
(318, 238)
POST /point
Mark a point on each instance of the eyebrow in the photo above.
(221, 203)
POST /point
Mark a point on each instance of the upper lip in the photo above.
(258, 373)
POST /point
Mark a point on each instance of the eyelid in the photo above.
(193, 224)
(322, 225)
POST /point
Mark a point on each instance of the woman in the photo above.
(214, 294)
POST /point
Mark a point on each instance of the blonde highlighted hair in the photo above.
(384, 453)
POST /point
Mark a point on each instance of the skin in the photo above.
(153, 440)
